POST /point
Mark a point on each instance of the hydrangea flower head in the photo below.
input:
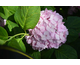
(49, 32)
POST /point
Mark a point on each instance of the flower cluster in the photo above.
(49, 32)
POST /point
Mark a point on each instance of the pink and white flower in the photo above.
(50, 31)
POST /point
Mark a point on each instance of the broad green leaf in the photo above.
(13, 28)
(36, 55)
(73, 22)
(11, 25)
(1, 12)
(76, 46)
(73, 25)
(12, 9)
(46, 54)
(27, 16)
(2, 42)
(71, 38)
(17, 45)
(66, 52)
(3, 33)
(6, 13)
(19, 40)
(73, 35)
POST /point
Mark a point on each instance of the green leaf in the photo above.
(36, 55)
(27, 16)
(17, 44)
(12, 9)
(3, 33)
(76, 46)
(11, 25)
(71, 38)
(21, 44)
(46, 54)
(73, 22)
(6, 13)
(66, 52)
(2, 42)
(73, 26)
(1, 12)
(13, 28)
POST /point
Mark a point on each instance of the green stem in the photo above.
(17, 35)
(22, 37)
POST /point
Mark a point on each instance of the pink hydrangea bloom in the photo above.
(49, 32)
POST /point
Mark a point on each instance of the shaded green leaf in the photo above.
(46, 54)
(12, 9)
(73, 22)
(13, 28)
(36, 55)
(11, 18)
(27, 16)
(2, 42)
(17, 45)
(66, 52)
(71, 38)
(2, 12)
(11, 25)
(73, 26)
(76, 46)
(6, 13)
(19, 40)
(3, 33)
(17, 30)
